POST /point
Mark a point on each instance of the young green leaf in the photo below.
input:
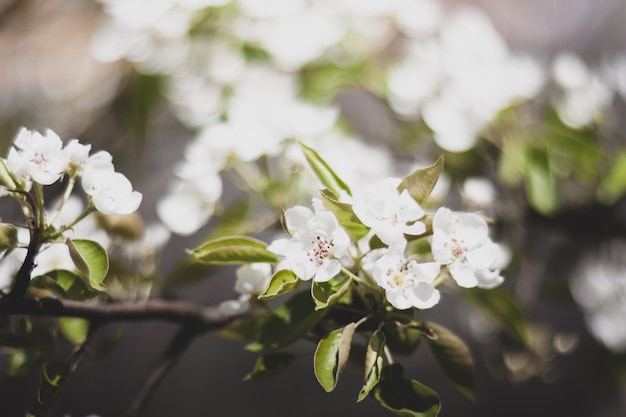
(54, 375)
(269, 365)
(453, 357)
(324, 172)
(502, 308)
(541, 182)
(328, 293)
(288, 323)
(344, 214)
(91, 260)
(331, 356)
(233, 250)
(406, 398)
(64, 284)
(421, 182)
(373, 363)
(282, 282)
(74, 329)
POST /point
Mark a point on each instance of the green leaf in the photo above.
(54, 375)
(344, 214)
(64, 284)
(406, 398)
(401, 340)
(421, 182)
(282, 282)
(90, 259)
(269, 365)
(323, 171)
(8, 238)
(613, 185)
(373, 363)
(502, 308)
(331, 356)
(74, 329)
(541, 184)
(453, 357)
(234, 250)
(288, 323)
(328, 293)
(244, 327)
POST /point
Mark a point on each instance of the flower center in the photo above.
(321, 249)
(458, 251)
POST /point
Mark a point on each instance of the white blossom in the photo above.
(111, 192)
(37, 157)
(461, 241)
(406, 283)
(316, 245)
(253, 278)
(389, 213)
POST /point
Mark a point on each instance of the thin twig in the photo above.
(185, 336)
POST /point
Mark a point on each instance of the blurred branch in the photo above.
(175, 350)
(205, 318)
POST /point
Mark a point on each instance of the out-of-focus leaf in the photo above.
(613, 186)
(453, 357)
(91, 260)
(421, 182)
(269, 365)
(502, 308)
(406, 398)
(373, 363)
(74, 329)
(401, 340)
(288, 323)
(244, 327)
(282, 282)
(332, 355)
(8, 237)
(344, 214)
(54, 375)
(234, 250)
(328, 293)
(541, 184)
(233, 221)
(324, 172)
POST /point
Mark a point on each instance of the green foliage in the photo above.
(373, 363)
(54, 375)
(613, 186)
(64, 284)
(233, 250)
(344, 214)
(74, 329)
(282, 282)
(330, 292)
(91, 260)
(406, 398)
(8, 238)
(332, 355)
(269, 365)
(288, 323)
(401, 340)
(324, 172)
(502, 308)
(453, 356)
(420, 183)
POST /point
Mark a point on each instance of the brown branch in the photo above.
(205, 318)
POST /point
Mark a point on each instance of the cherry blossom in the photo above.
(461, 241)
(317, 243)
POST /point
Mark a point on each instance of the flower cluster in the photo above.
(43, 159)
(319, 247)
